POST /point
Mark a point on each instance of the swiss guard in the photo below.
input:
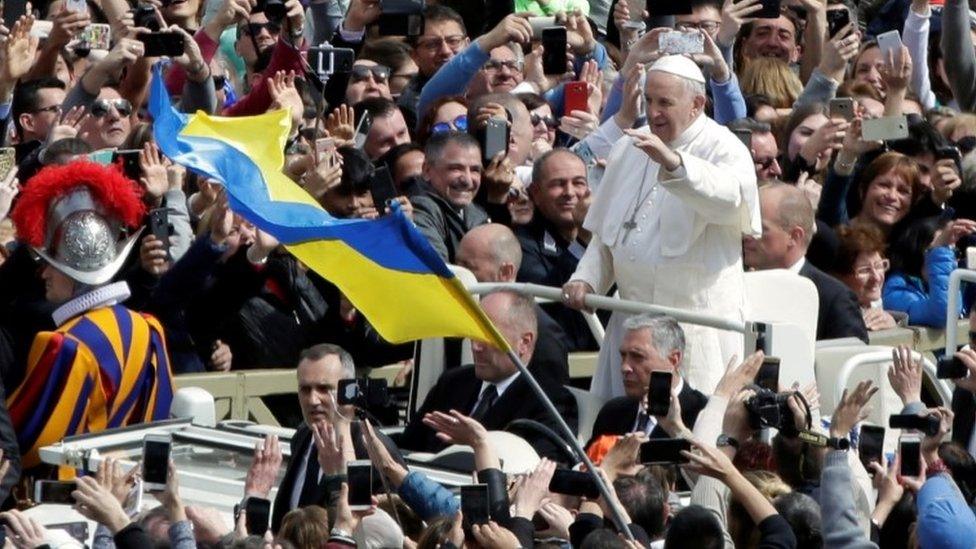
(104, 366)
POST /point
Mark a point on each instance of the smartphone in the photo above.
(257, 514)
(842, 107)
(155, 461)
(636, 9)
(659, 394)
(837, 19)
(573, 483)
(585, 153)
(681, 43)
(886, 128)
(870, 444)
(55, 491)
(128, 160)
(8, 160)
(348, 392)
(41, 28)
(325, 60)
(77, 530)
(575, 97)
(77, 6)
(670, 7)
(474, 504)
(145, 17)
(768, 375)
(382, 188)
(950, 367)
(162, 44)
(159, 225)
(950, 153)
(94, 37)
(926, 424)
(12, 10)
(664, 450)
(401, 18)
(744, 135)
(890, 43)
(324, 148)
(496, 138)
(910, 449)
(539, 24)
(771, 9)
(362, 130)
(554, 54)
(360, 475)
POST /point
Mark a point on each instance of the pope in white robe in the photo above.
(667, 223)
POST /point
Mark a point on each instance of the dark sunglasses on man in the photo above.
(379, 73)
(100, 107)
(254, 29)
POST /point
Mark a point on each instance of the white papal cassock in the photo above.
(674, 239)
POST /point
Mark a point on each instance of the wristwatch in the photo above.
(726, 440)
(839, 443)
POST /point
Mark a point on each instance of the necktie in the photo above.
(488, 397)
(310, 489)
(642, 420)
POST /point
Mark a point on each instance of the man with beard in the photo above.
(445, 210)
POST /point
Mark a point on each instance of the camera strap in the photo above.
(816, 439)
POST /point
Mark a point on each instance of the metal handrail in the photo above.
(952, 310)
(595, 301)
(878, 357)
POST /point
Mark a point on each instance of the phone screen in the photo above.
(155, 461)
(360, 475)
(474, 503)
(554, 50)
(257, 513)
(659, 394)
(169, 44)
(768, 375)
(573, 483)
(54, 491)
(382, 189)
(870, 444)
(911, 457)
(837, 19)
(664, 450)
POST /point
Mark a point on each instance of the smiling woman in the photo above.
(889, 186)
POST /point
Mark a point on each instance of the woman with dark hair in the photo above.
(449, 113)
(859, 262)
(808, 141)
(922, 258)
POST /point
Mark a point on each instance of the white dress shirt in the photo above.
(500, 386)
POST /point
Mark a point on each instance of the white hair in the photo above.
(666, 333)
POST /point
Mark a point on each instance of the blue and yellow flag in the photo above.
(385, 267)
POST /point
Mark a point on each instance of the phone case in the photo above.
(576, 97)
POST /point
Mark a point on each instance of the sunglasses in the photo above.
(255, 29)
(765, 163)
(548, 120)
(458, 124)
(101, 107)
(379, 73)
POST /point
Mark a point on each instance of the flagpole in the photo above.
(618, 514)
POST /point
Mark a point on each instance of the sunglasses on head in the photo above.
(255, 29)
(458, 124)
(380, 73)
(101, 107)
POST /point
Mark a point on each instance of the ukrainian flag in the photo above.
(385, 267)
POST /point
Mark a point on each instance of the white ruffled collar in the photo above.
(103, 296)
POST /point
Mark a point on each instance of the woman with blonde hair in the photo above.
(773, 78)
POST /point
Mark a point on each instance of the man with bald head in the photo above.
(667, 221)
(492, 390)
(788, 227)
(492, 253)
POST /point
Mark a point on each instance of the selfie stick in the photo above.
(618, 514)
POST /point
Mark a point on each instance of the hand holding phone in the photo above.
(659, 394)
(360, 478)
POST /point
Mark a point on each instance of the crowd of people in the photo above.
(672, 147)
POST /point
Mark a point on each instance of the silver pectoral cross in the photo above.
(629, 226)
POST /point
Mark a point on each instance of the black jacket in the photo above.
(964, 408)
(299, 446)
(441, 223)
(546, 260)
(840, 315)
(459, 389)
(550, 361)
(618, 415)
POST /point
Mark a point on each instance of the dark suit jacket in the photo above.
(441, 224)
(618, 415)
(840, 316)
(964, 408)
(458, 389)
(550, 361)
(299, 445)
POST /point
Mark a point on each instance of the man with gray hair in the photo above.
(650, 344)
(667, 221)
(788, 227)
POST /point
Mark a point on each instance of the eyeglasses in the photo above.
(54, 109)
(101, 106)
(458, 124)
(255, 29)
(707, 26)
(494, 65)
(876, 267)
(548, 120)
(453, 41)
(765, 163)
(379, 73)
